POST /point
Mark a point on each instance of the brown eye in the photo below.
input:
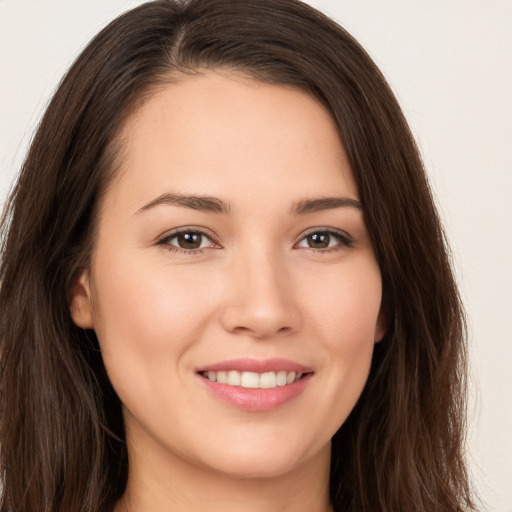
(318, 240)
(189, 240)
(325, 240)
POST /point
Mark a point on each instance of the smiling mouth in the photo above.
(253, 380)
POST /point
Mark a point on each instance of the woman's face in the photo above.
(231, 251)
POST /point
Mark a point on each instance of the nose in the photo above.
(261, 301)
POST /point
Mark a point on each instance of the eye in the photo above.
(187, 240)
(325, 240)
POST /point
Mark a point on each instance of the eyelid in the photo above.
(346, 241)
(163, 240)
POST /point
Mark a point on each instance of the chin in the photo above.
(272, 461)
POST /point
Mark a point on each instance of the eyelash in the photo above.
(344, 241)
(166, 239)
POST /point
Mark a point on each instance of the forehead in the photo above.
(225, 135)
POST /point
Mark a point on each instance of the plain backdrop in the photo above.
(450, 64)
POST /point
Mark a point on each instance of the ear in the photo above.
(383, 320)
(81, 303)
(380, 328)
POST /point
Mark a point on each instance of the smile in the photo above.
(256, 385)
(253, 380)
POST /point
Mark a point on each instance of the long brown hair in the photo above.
(62, 444)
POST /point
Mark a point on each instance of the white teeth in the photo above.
(250, 380)
(253, 380)
(268, 380)
(290, 377)
(233, 378)
(281, 378)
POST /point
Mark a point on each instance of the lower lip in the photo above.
(257, 399)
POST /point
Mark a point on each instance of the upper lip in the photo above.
(256, 366)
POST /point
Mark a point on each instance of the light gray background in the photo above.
(450, 64)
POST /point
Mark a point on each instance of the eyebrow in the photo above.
(195, 202)
(215, 205)
(324, 203)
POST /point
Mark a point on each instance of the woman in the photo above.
(224, 282)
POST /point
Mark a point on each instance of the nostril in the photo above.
(259, 316)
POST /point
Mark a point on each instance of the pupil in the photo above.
(318, 240)
(189, 240)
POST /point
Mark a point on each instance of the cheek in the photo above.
(143, 296)
(347, 309)
(346, 317)
(146, 319)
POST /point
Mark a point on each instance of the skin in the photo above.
(255, 289)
